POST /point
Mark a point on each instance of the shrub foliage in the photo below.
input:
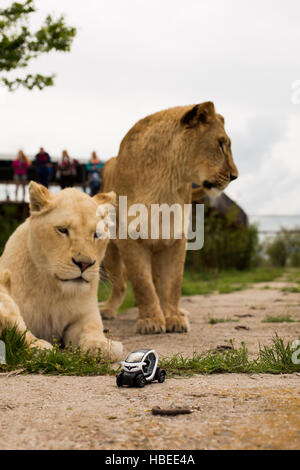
(227, 245)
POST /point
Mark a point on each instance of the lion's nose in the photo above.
(83, 263)
(233, 177)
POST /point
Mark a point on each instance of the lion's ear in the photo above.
(202, 113)
(5, 280)
(105, 198)
(40, 197)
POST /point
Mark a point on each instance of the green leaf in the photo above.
(19, 45)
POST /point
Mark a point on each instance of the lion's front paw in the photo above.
(111, 350)
(151, 325)
(41, 344)
(177, 323)
(108, 313)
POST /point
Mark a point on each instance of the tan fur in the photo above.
(159, 159)
(197, 194)
(41, 261)
(10, 315)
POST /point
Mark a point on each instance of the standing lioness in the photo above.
(53, 261)
(159, 159)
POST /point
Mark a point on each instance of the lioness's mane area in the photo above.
(151, 147)
(145, 156)
(166, 151)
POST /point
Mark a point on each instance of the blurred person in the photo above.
(20, 167)
(94, 169)
(66, 170)
(43, 167)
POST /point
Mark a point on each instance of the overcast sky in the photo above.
(134, 57)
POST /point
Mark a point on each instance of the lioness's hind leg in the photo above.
(116, 271)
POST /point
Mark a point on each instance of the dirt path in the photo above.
(229, 411)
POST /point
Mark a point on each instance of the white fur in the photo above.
(38, 256)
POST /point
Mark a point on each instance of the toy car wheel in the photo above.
(119, 380)
(157, 373)
(161, 375)
(140, 381)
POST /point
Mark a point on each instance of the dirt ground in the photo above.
(236, 411)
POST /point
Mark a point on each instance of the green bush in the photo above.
(284, 248)
(11, 215)
(8, 224)
(227, 245)
(277, 251)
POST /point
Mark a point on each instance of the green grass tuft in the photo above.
(292, 275)
(278, 319)
(214, 321)
(291, 290)
(67, 361)
(277, 358)
(231, 360)
(274, 359)
(16, 349)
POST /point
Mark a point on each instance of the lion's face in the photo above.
(209, 161)
(63, 237)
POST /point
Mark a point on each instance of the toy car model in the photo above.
(139, 368)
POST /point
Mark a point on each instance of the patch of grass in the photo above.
(214, 321)
(279, 358)
(105, 290)
(292, 290)
(16, 349)
(278, 319)
(202, 284)
(223, 282)
(68, 361)
(274, 359)
(292, 275)
(231, 360)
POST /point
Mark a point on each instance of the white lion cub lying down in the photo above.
(53, 260)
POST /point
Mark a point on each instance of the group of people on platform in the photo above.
(64, 172)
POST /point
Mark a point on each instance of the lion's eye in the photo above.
(221, 145)
(62, 230)
(99, 236)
